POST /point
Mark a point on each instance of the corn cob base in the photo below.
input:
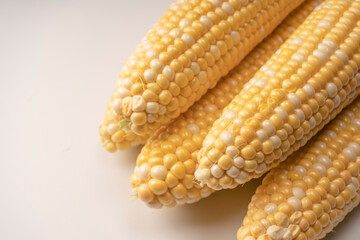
(310, 193)
(164, 175)
(298, 91)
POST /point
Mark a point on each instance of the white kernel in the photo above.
(193, 128)
(214, 50)
(233, 172)
(299, 57)
(238, 122)
(158, 172)
(330, 133)
(294, 99)
(175, 33)
(275, 232)
(355, 181)
(126, 82)
(268, 127)
(275, 140)
(151, 54)
(330, 43)
(312, 122)
(260, 168)
(188, 39)
(320, 168)
(331, 89)
(350, 154)
(184, 23)
(206, 20)
(116, 105)
(216, 171)
(232, 151)
(300, 169)
(336, 101)
(235, 36)
(112, 128)
(228, 114)
(291, 29)
(352, 189)
(227, 137)
(300, 114)
(132, 63)
(325, 24)
(202, 76)
(149, 75)
(202, 174)
(282, 113)
(324, 160)
(227, 8)
(261, 135)
(211, 108)
(144, 171)
(239, 162)
(138, 103)
(355, 147)
(270, 208)
(297, 40)
(325, 49)
(259, 156)
(152, 107)
(320, 55)
(286, 235)
(242, 178)
(340, 124)
(162, 31)
(259, 82)
(298, 192)
(169, 73)
(342, 55)
(208, 141)
(309, 90)
(181, 201)
(295, 202)
(270, 72)
(156, 65)
(195, 67)
(122, 92)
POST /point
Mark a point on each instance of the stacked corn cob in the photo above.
(300, 89)
(269, 115)
(310, 193)
(192, 46)
(164, 174)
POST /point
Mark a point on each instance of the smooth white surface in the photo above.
(59, 61)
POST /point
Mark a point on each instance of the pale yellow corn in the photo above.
(193, 45)
(309, 80)
(311, 192)
(164, 173)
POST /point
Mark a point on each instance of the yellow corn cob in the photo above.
(192, 46)
(164, 174)
(309, 194)
(300, 89)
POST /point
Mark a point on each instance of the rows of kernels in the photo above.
(309, 194)
(186, 54)
(289, 99)
(179, 143)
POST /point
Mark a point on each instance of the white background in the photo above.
(59, 61)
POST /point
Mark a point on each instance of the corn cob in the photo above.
(309, 194)
(164, 174)
(192, 46)
(299, 90)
